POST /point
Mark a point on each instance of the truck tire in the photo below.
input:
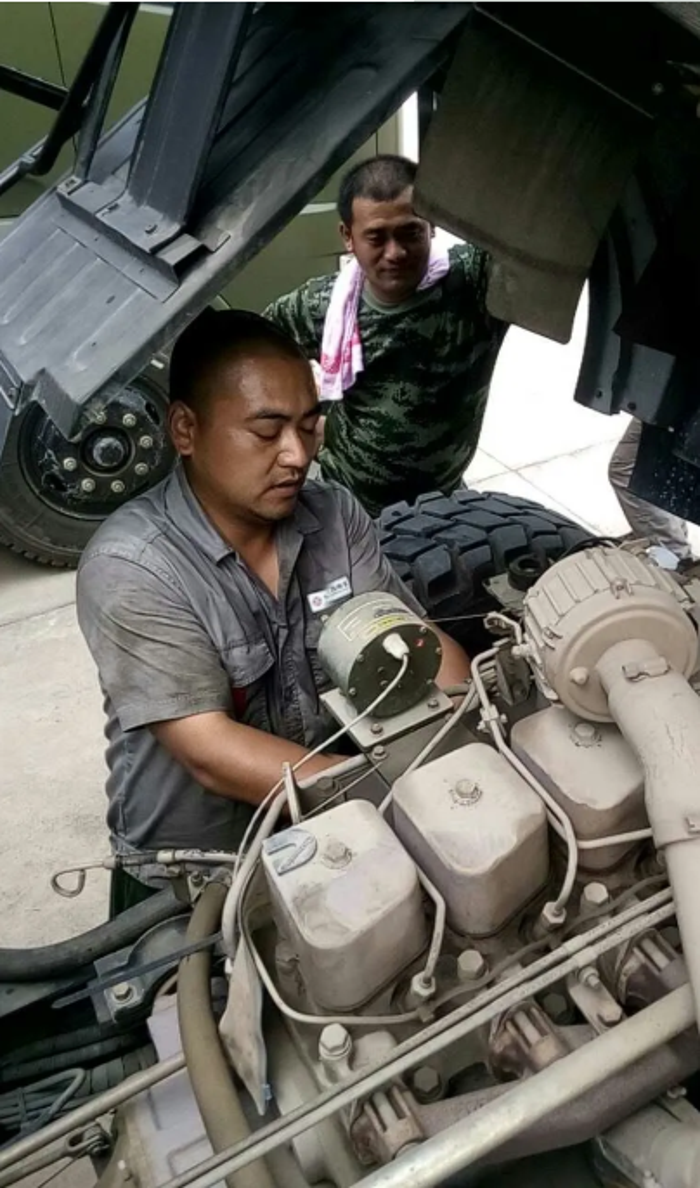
(55, 493)
(446, 547)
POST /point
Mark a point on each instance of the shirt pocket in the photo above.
(249, 665)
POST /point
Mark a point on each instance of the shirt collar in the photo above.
(187, 513)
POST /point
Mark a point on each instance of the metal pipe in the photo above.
(210, 1075)
(581, 951)
(467, 1142)
(92, 1110)
(659, 715)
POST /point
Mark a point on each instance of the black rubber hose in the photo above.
(85, 1056)
(63, 958)
(208, 1069)
(52, 1045)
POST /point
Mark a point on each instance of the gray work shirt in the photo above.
(179, 625)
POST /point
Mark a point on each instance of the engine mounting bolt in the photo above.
(87, 485)
(122, 992)
(590, 977)
(70, 464)
(146, 442)
(556, 1006)
(471, 965)
(129, 421)
(117, 487)
(595, 895)
(376, 728)
(334, 1043)
(141, 468)
(579, 676)
(426, 1084)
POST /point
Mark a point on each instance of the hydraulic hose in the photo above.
(65, 957)
(209, 1072)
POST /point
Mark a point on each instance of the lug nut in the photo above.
(141, 468)
(123, 991)
(471, 965)
(117, 486)
(146, 442)
(87, 485)
(70, 464)
(426, 1083)
(129, 420)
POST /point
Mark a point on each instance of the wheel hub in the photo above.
(122, 450)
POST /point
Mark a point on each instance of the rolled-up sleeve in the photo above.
(370, 568)
(155, 660)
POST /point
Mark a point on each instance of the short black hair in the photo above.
(222, 335)
(381, 178)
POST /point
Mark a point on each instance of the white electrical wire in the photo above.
(427, 975)
(274, 803)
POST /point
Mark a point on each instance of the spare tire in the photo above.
(445, 547)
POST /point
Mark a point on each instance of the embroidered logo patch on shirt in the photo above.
(320, 600)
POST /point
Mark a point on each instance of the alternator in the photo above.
(586, 603)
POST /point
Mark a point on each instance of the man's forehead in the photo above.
(395, 212)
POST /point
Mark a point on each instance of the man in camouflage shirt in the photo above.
(410, 422)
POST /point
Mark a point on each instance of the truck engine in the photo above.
(474, 940)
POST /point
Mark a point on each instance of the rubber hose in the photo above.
(33, 1070)
(52, 1045)
(64, 958)
(209, 1072)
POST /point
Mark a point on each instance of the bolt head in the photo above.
(590, 978)
(426, 1083)
(117, 487)
(471, 965)
(334, 1042)
(146, 442)
(100, 417)
(70, 464)
(128, 420)
(585, 732)
(579, 676)
(595, 895)
(123, 991)
(433, 703)
(376, 728)
(88, 486)
(141, 468)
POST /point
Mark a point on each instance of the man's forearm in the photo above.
(233, 760)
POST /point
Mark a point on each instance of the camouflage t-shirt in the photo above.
(410, 423)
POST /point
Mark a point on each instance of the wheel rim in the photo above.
(122, 450)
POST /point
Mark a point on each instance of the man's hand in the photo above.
(455, 668)
(231, 759)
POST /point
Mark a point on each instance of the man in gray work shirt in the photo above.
(201, 600)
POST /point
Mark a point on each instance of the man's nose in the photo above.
(394, 250)
(294, 452)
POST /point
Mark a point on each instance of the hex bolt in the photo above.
(88, 486)
(586, 732)
(377, 754)
(70, 464)
(589, 977)
(595, 895)
(99, 417)
(433, 703)
(146, 442)
(471, 965)
(141, 468)
(334, 1042)
(426, 1084)
(129, 420)
(123, 991)
(579, 676)
(556, 1006)
(376, 728)
(118, 487)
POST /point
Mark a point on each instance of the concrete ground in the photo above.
(536, 443)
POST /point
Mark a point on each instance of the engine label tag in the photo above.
(320, 600)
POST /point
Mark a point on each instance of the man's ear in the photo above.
(346, 235)
(182, 423)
